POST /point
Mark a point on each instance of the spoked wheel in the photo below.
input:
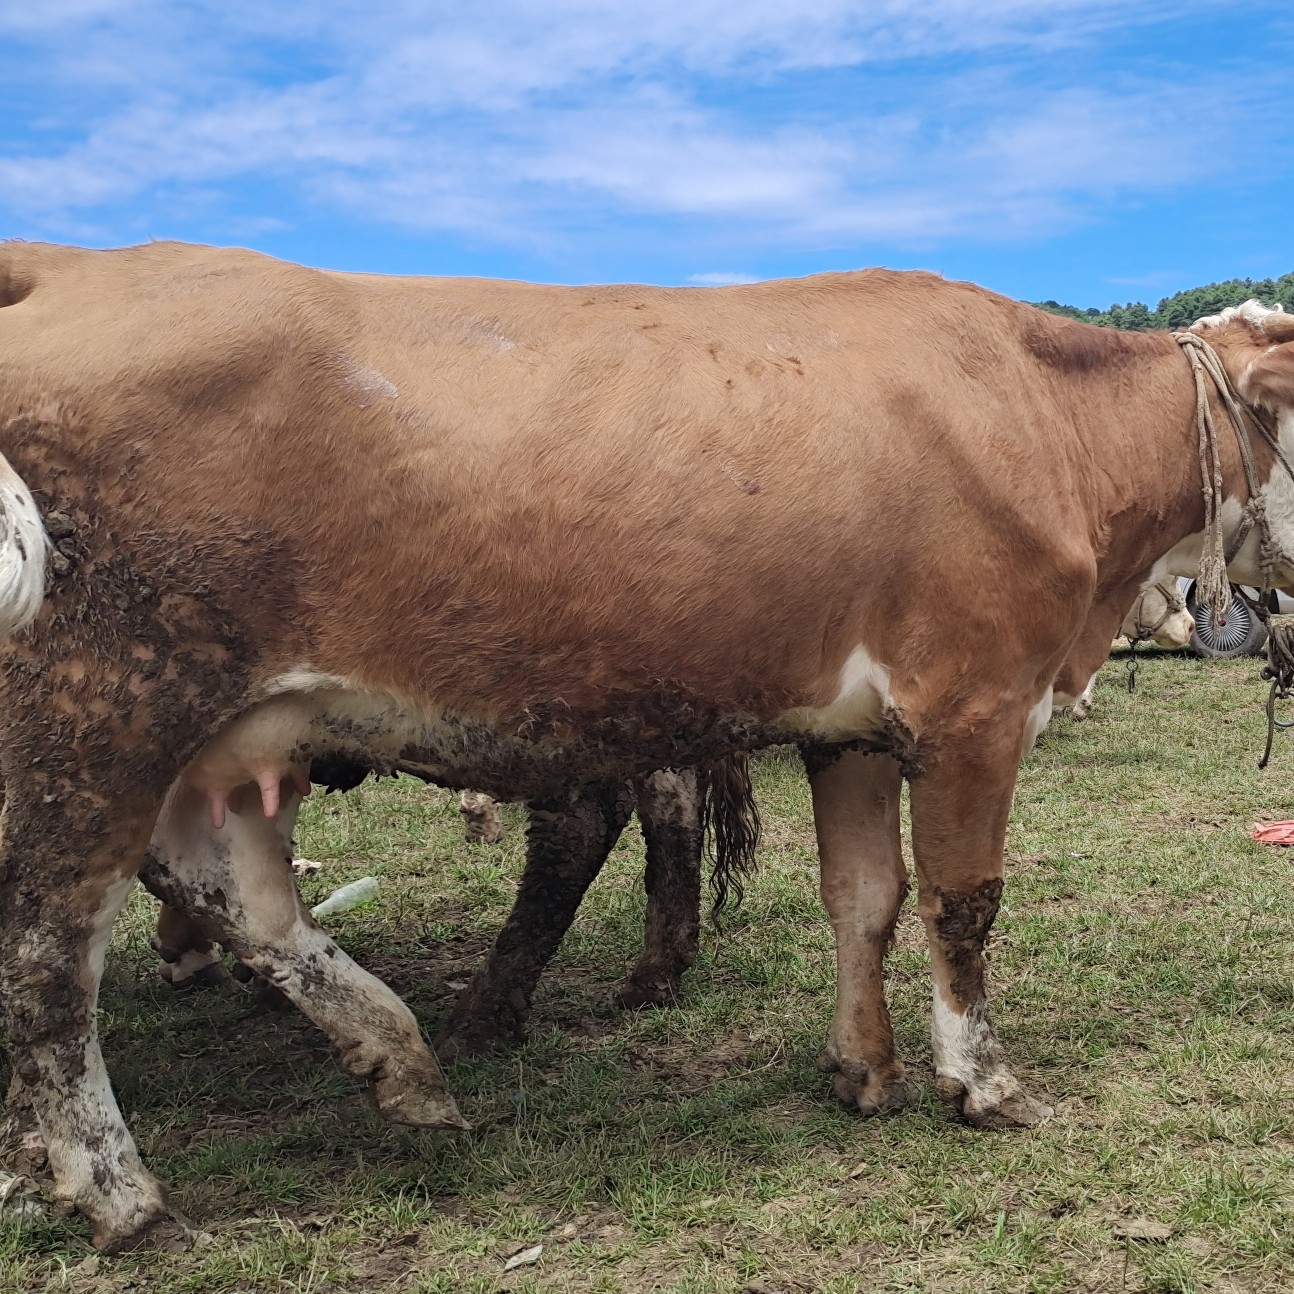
(1241, 633)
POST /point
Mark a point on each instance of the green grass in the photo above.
(1143, 974)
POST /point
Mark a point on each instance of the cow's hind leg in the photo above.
(960, 803)
(190, 958)
(864, 881)
(61, 887)
(669, 810)
(567, 843)
(237, 882)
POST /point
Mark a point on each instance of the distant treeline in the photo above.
(1183, 308)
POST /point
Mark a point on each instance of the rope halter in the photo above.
(1214, 588)
(1143, 630)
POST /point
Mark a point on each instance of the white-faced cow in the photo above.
(717, 519)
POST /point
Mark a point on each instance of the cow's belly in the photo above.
(308, 715)
(314, 716)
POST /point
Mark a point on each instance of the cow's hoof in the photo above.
(997, 1111)
(473, 1040)
(870, 1090)
(168, 1234)
(417, 1106)
(131, 1213)
(639, 995)
(479, 1035)
(874, 1095)
(1019, 1110)
(211, 975)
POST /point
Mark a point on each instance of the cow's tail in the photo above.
(24, 547)
(730, 820)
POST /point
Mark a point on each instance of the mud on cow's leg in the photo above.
(22, 1144)
(66, 869)
(960, 804)
(567, 843)
(670, 811)
(237, 882)
(864, 881)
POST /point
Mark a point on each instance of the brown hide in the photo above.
(1092, 646)
(699, 499)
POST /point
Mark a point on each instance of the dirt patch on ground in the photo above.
(690, 1073)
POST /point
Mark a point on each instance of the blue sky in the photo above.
(1088, 150)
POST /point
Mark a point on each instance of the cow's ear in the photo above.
(1270, 378)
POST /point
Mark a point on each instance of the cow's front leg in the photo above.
(567, 842)
(669, 810)
(57, 908)
(864, 881)
(960, 803)
(237, 882)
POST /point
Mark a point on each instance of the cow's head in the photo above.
(1256, 345)
(1160, 615)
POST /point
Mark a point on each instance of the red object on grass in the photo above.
(1273, 833)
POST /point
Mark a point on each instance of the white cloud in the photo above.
(517, 124)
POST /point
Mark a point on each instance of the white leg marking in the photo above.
(91, 1153)
(259, 916)
(966, 1052)
(1083, 706)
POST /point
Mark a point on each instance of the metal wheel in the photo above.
(1240, 634)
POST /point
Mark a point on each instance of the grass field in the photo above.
(1143, 973)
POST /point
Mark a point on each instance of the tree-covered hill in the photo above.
(1183, 308)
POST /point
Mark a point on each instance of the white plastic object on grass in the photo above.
(349, 896)
(18, 1196)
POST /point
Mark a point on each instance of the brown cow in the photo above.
(264, 485)
(671, 810)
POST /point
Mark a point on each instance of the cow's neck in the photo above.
(1150, 509)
